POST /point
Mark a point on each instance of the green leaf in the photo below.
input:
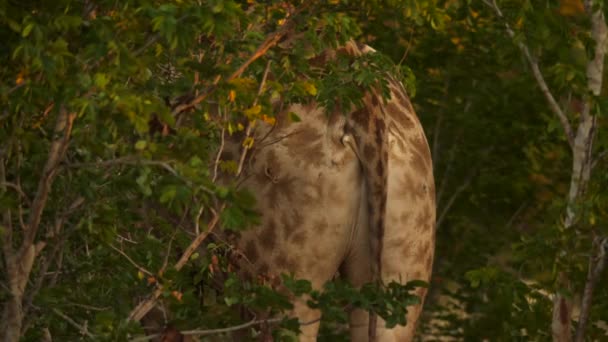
(168, 194)
(293, 117)
(140, 145)
(27, 30)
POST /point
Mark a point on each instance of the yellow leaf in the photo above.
(19, 78)
(571, 7)
(232, 95)
(158, 49)
(474, 14)
(251, 112)
(230, 128)
(280, 22)
(455, 40)
(269, 119)
(310, 88)
(178, 295)
(248, 142)
(140, 275)
(240, 127)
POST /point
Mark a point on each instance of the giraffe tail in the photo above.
(369, 129)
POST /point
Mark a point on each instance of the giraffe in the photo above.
(350, 194)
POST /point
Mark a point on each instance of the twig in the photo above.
(166, 261)
(17, 188)
(197, 228)
(268, 43)
(251, 124)
(452, 199)
(133, 160)
(537, 75)
(597, 264)
(219, 155)
(82, 329)
(140, 268)
(63, 128)
(207, 332)
(89, 307)
(144, 307)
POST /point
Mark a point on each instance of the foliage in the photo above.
(134, 182)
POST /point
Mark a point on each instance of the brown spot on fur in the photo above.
(283, 262)
(380, 168)
(369, 151)
(422, 220)
(291, 220)
(268, 236)
(404, 218)
(408, 245)
(263, 269)
(375, 101)
(361, 117)
(422, 251)
(320, 227)
(251, 251)
(299, 238)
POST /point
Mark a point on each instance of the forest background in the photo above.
(99, 208)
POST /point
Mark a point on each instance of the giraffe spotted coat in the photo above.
(350, 194)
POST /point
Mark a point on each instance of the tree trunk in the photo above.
(581, 164)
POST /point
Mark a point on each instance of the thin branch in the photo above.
(453, 198)
(435, 148)
(598, 159)
(134, 160)
(540, 80)
(82, 329)
(17, 188)
(144, 307)
(197, 219)
(140, 268)
(63, 129)
(597, 264)
(219, 155)
(268, 43)
(251, 124)
(207, 332)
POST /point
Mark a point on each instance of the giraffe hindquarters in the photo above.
(408, 244)
(357, 270)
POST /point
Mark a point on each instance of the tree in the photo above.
(108, 129)
(112, 113)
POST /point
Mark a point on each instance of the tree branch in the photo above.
(139, 268)
(268, 43)
(144, 307)
(597, 264)
(540, 80)
(82, 329)
(63, 129)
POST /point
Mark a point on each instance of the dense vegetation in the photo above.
(107, 133)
